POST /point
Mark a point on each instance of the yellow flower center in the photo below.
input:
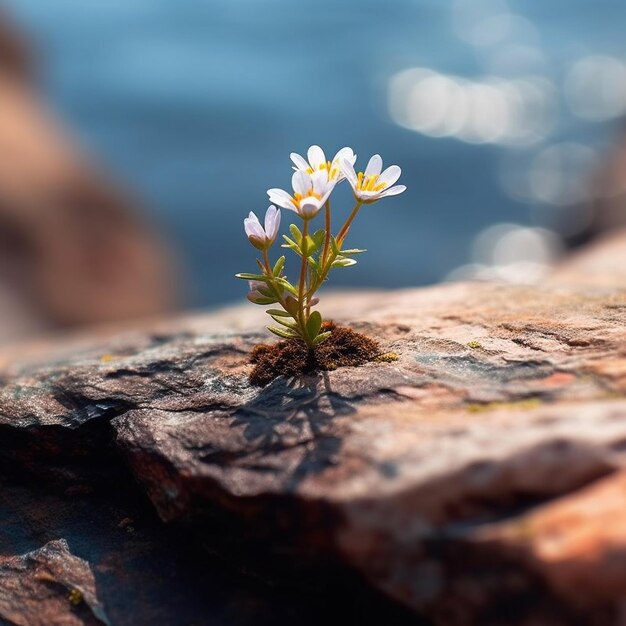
(331, 168)
(369, 183)
(298, 197)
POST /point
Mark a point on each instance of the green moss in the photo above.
(527, 404)
(75, 597)
(388, 357)
(343, 348)
(474, 344)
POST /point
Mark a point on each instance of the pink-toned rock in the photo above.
(577, 543)
(74, 248)
(49, 587)
(439, 479)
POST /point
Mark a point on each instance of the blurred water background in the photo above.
(498, 112)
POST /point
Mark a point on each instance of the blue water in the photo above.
(197, 104)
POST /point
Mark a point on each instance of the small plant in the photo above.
(319, 250)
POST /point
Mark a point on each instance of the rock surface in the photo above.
(478, 480)
(41, 587)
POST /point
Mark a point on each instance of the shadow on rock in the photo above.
(296, 414)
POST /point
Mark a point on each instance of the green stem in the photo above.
(346, 227)
(277, 290)
(302, 291)
(307, 295)
(268, 265)
(327, 237)
(327, 262)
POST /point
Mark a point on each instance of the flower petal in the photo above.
(301, 182)
(281, 198)
(374, 166)
(368, 194)
(310, 207)
(348, 169)
(322, 186)
(390, 175)
(345, 153)
(335, 170)
(320, 182)
(269, 217)
(299, 161)
(272, 222)
(325, 196)
(394, 191)
(316, 157)
(253, 229)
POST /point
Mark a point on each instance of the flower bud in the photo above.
(262, 238)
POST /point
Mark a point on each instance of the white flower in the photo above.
(263, 238)
(310, 192)
(371, 185)
(317, 162)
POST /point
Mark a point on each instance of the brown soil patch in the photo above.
(292, 357)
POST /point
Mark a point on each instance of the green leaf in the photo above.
(321, 337)
(319, 236)
(290, 244)
(352, 251)
(278, 267)
(313, 325)
(316, 241)
(285, 284)
(282, 332)
(333, 246)
(294, 248)
(310, 245)
(341, 261)
(283, 321)
(264, 301)
(306, 246)
(262, 277)
(295, 232)
(291, 304)
(315, 270)
(278, 313)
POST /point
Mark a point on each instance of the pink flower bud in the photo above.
(263, 238)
